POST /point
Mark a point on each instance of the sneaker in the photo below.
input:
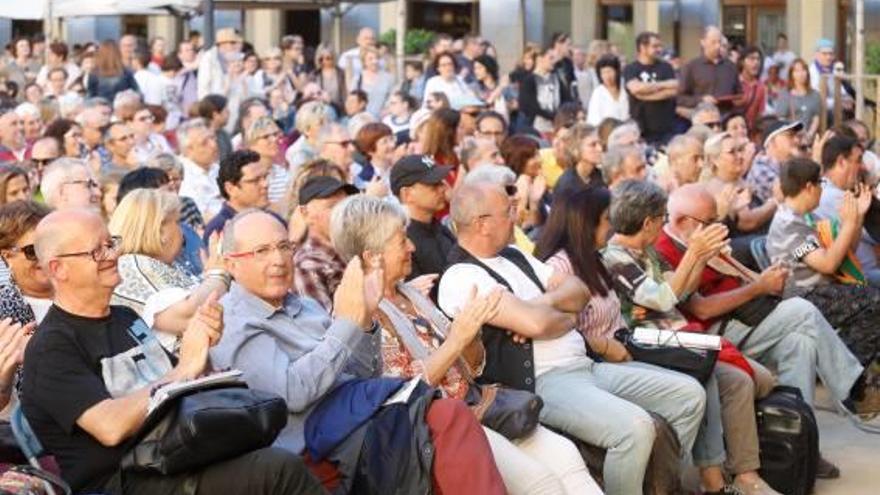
(825, 470)
(759, 487)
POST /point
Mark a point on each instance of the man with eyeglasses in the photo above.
(317, 267)
(244, 184)
(420, 185)
(67, 384)
(707, 114)
(119, 141)
(68, 183)
(491, 125)
(334, 144)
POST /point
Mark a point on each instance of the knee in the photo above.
(692, 396)
(642, 433)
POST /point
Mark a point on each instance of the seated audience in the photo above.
(543, 462)
(87, 423)
(824, 270)
(289, 345)
(599, 403)
(622, 163)
(243, 181)
(584, 155)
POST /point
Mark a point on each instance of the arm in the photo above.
(175, 318)
(706, 307)
(532, 319)
(528, 99)
(827, 260)
(568, 294)
(749, 219)
(686, 98)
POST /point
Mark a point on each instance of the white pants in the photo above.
(542, 463)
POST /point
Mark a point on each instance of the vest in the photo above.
(507, 363)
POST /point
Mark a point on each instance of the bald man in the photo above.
(710, 77)
(600, 403)
(685, 161)
(791, 334)
(76, 394)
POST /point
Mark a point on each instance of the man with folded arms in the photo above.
(532, 344)
(81, 413)
(291, 346)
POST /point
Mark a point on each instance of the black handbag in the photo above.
(205, 426)
(753, 312)
(508, 411)
(697, 363)
(511, 412)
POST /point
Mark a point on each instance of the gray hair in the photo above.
(328, 132)
(491, 174)
(96, 102)
(228, 244)
(356, 122)
(471, 148)
(311, 114)
(27, 109)
(166, 162)
(364, 223)
(680, 145)
(469, 201)
(127, 97)
(712, 147)
(56, 174)
(704, 107)
(184, 130)
(612, 161)
(620, 131)
(633, 202)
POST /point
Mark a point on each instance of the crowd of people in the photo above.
(325, 225)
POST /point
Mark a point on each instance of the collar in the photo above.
(260, 308)
(191, 166)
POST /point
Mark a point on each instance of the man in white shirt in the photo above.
(199, 157)
(351, 59)
(783, 55)
(152, 85)
(532, 344)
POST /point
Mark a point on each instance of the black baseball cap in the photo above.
(778, 127)
(416, 169)
(323, 186)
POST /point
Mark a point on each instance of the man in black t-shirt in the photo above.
(419, 184)
(67, 383)
(652, 88)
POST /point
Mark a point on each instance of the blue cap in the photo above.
(824, 44)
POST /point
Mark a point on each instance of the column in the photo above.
(646, 16)
(584, 20)
(262, 27)
(165, 26)
(807, 24)
(502, 22)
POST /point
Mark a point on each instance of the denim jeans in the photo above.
(605, 404)
(799, 342)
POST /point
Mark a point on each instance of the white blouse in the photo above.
(603, 105)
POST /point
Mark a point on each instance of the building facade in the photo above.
(511, 23)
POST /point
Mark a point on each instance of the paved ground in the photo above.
(855, 452)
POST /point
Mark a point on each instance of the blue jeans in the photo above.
(605, 404)
(800, 343)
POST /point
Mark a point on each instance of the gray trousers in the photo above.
(604, 404)
(800, 343)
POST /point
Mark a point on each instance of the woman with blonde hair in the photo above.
(310, 118)
(158, 289)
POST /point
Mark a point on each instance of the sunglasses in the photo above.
(510, 189)
(29, 252)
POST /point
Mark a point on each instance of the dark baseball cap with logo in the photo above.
(416, 169)
(323, 186)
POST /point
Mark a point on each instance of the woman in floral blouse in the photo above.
(414, 345)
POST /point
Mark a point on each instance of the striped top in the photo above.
(601, 316)
(278, 179)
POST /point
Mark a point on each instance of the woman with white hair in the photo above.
(159, 290)
(31, 120)
(310, 118)
(418, 340)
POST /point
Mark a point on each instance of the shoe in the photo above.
(726, 490)
(870, 402)
(825, 470)
(759, 487)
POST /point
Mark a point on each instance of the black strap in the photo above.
(741, 343)
(512, 255)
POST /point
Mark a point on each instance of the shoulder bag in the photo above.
(510, 412)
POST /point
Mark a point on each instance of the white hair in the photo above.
(124, 98)
(56, 174)
(356, 122)
(27, 109)
(69, 105)
(491, 174)
(184, 130)
(364, 223)
(309, 115)
(622, 130)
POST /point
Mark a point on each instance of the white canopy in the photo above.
(42, 9)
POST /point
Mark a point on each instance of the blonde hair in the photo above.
(310, 115)
(138, 220)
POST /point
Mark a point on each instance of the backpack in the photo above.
(789, 441)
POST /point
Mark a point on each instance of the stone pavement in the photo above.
(856, 452)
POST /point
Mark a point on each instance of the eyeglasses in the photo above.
(29, 252)
(41, 162)
(271, 136)
(100, 253)
(127, 137)
(256, 180)
(263, 251)
(343, 143)
(89, 183)
(510, 189)
(704, 223)
(736, 150)
(713, 125)
(492, 133)
(511, 211)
